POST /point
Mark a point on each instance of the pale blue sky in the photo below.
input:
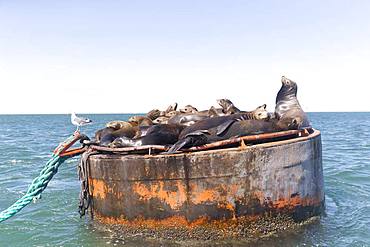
(132, 56)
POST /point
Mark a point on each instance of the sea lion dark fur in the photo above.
(230, 129)
(162, 134)
(107, 135)
(287, 105)
(259, 113)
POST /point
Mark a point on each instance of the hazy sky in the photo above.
(132, 56)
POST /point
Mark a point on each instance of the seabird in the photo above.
(79, 121)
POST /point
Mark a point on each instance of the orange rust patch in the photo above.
(295, 201)
(287, 203)
(199, 197)
(175, 199)
(100, 189)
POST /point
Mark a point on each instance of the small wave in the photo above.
(16, 161)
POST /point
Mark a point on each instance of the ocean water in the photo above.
(26, 142)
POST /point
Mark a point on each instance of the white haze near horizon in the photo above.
(123, 57)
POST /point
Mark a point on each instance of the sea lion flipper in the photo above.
(178, 145)
(198, 133)
(224, 126)
(192, 139)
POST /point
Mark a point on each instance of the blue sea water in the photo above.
(26, 142)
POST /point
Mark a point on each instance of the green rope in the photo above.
(37, 186)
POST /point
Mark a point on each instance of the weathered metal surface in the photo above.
(196, 188)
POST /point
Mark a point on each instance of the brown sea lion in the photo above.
(189, 109)
(169, 109)
(227, 106)
(171, 114)
(215, 112)
(287, 105)
(118, 124)
(163, 134)
(153, 114)
(140, 120)
(172, 107)
(161, 120)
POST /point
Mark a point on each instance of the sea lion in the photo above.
(233, 129)
(215, 112)
(189, 109)
(203, 131)
(163, 134)
(140, 120)
(187, 119)
(258, 113)
(153, 114)
(108, 134)
(227, 106)
(103, 132)
(161, 120)
(169, 109)
(287, 105)
(118, 124)
(171, 114)
(172, 107)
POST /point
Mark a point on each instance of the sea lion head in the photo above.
(189, 109)
(212, 112)
(140, 120)
(161, 120)
(118, 124)
(288, 89)
(172, 113)
(135, 119)
(260, 113)
(225, 103)
(153, 114)
(172, 107)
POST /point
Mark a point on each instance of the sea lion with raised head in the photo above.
(153, 114)
(228, 107)
(287, 105)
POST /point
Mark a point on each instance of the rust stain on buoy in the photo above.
(191, 189)
(174, 198)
